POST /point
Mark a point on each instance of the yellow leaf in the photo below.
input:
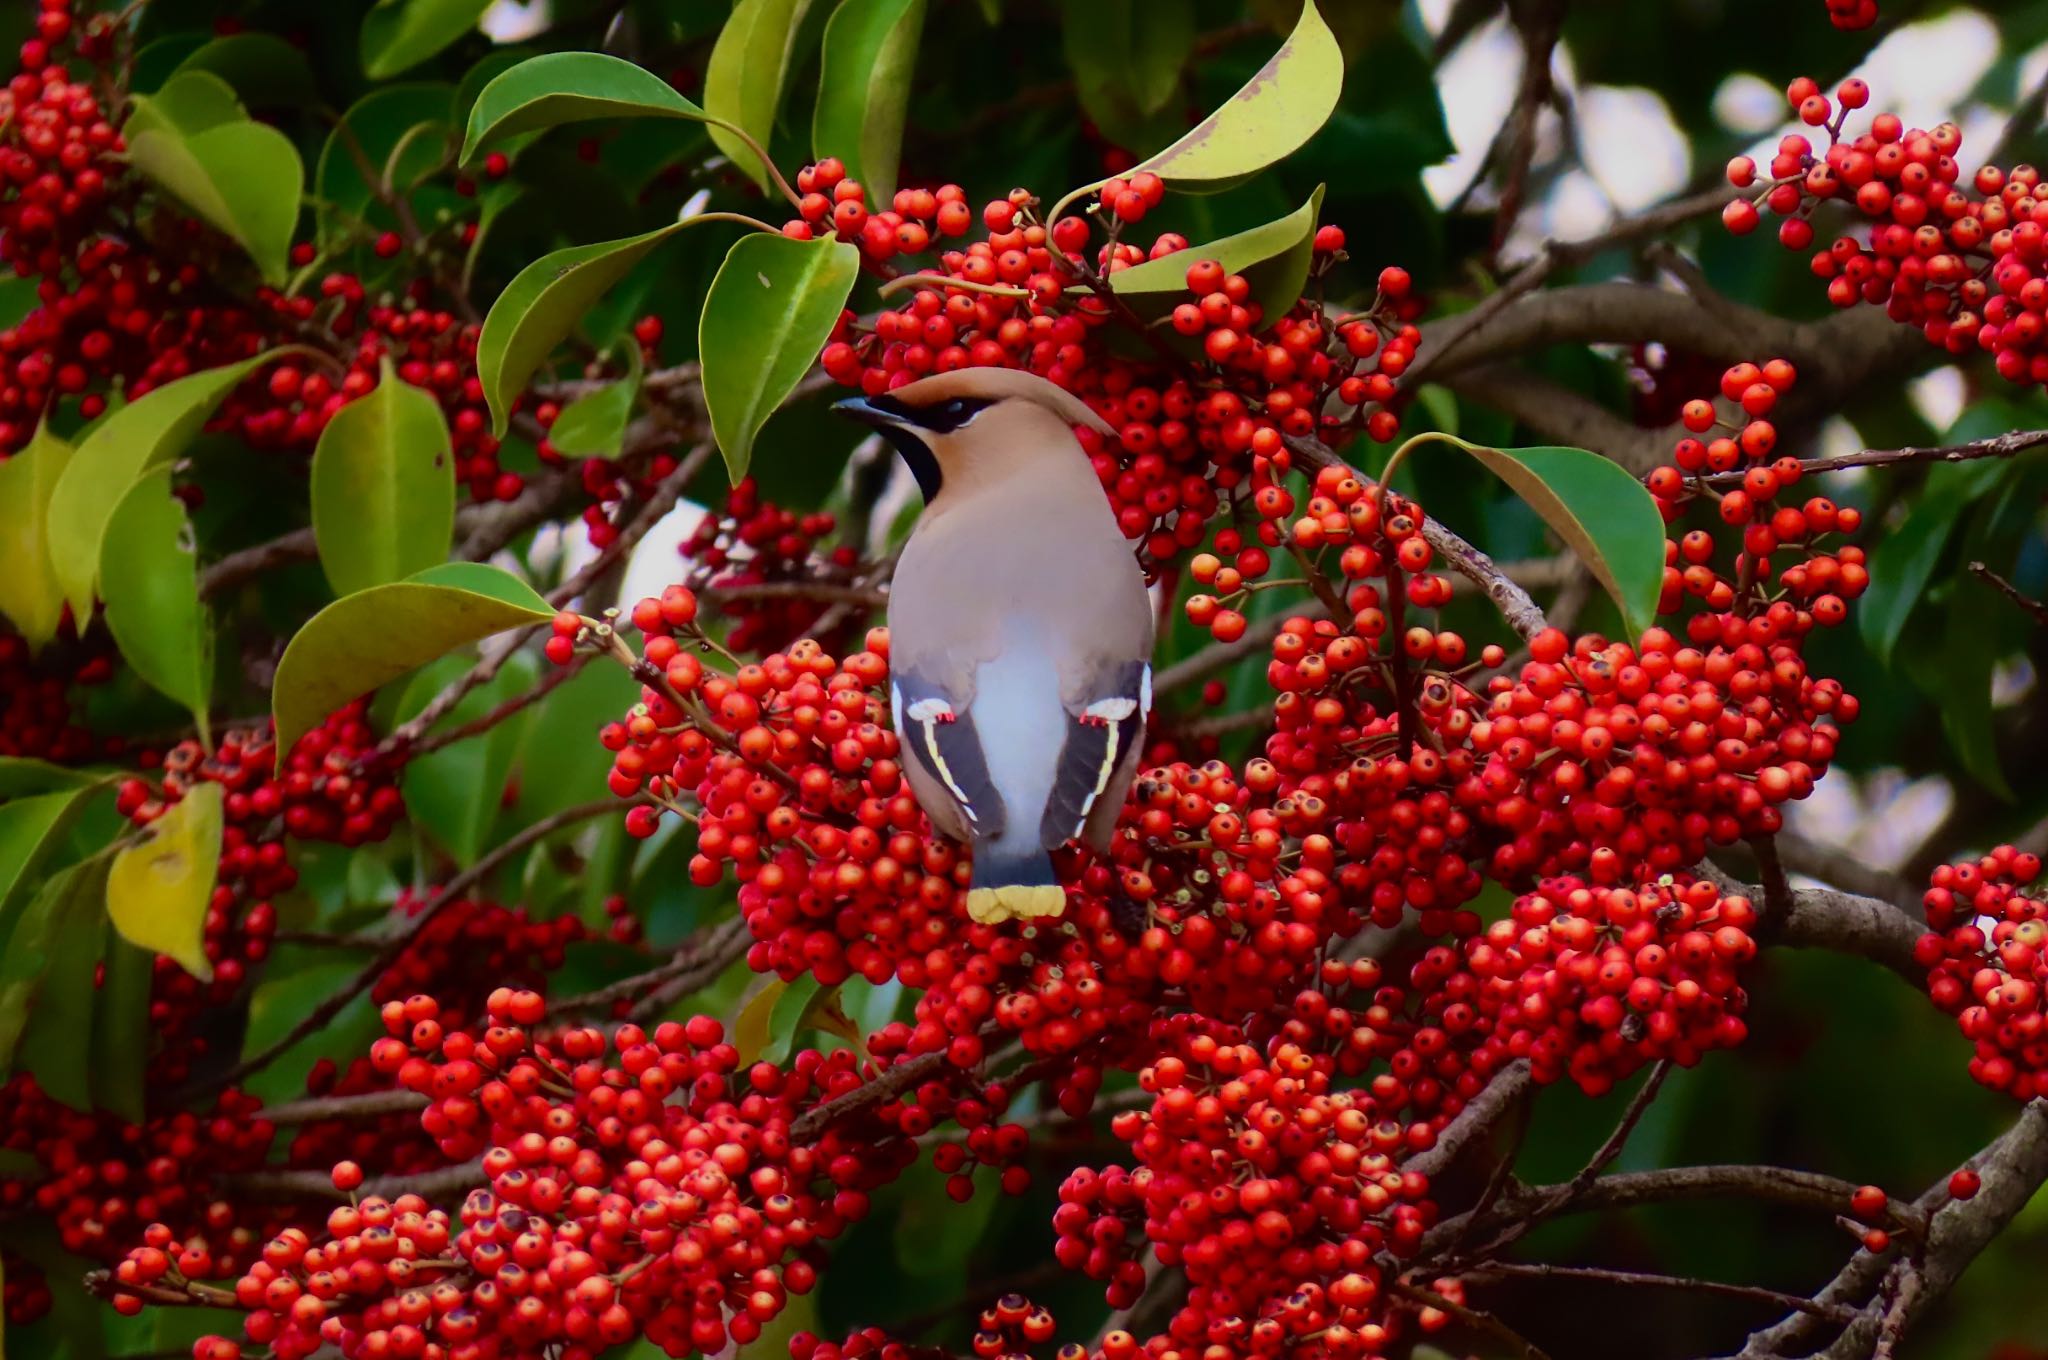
(752, 1029)
(30, 594)
(158, 891)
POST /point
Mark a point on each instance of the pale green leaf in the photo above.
(594, 425)
(1274, 259)
(145, 433)
(30, 595)
(360, 146)
(243, 178)
(1276, 112)
(158, 891)
(68, 901)
(383, 486)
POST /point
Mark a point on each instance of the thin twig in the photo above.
(1507, 1270)
(2034, 607)
(366, 1105)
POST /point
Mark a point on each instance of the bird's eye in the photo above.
(955, 408)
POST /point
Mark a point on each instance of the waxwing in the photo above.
(1020, 629)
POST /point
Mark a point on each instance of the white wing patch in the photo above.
(927, 714)
(1112, 712)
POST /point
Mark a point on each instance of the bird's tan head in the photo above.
(974, 422)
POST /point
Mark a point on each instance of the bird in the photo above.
(1020, 629)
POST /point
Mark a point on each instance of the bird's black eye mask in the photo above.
(939, 418)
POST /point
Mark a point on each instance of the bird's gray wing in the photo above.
(1099, 741)
(936, 730)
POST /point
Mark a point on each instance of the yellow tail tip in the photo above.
(992, 906)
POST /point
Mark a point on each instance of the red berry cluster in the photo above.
(1188, 420)
(471, 948)
(1277, 1194)
(1851, 15)
(1010, 1329)
(320, 795)
(38, 719)
(1964, 264)
(1986, 956)
(754, 541)
(101, 1179)
(642, 1184)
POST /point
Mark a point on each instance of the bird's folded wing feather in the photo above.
(1098, 740)
(939, 734)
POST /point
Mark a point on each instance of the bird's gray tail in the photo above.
(1013, 882)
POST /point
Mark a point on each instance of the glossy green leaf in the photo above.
(149, 578)
(1273, 258)
(1277, 111)
(18, 297)
(57, 1039)
(372, 637)
(262, 68)
(540, 307)
(870, 64)
(561, 758)
(1606, 517)
(360, 147)
(297, 979)
(243, 178)
(568, 87)
(190, 102)
(121, 1035)
(30, 595)
(770, 310)
(456, 794)
(594, 425)
(31, 830)
(743, 83)
(21, 776)
(398, 35)
(1126, 56)
(158, 891)
(147, 432)
(1899, 575)
(68, 902)
(383, 487)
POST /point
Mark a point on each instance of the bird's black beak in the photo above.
(880, 412)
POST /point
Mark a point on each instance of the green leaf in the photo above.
(243, 178)
(56, 1044)
(561, 759)
(1900, 574)
(68, 902)
(398, 35)
(870, 63)
(30, 595)
(1273, 258)
(120, 1030)
(1277, 111)
(1605, 516)
(31, 829)
(19, 1166)
(1126, 55)
(263, 69)
(18, 297)
(373, 125)
(383, 486)
(743, 82)
(158, 891)
(568, 87)
(367, 639)
(594, 426)
(297, 980)
(23, 775)
(190, 102)
(149, 577)
(770, 310)
(147, 432)
(541, 306)
(455, 794)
